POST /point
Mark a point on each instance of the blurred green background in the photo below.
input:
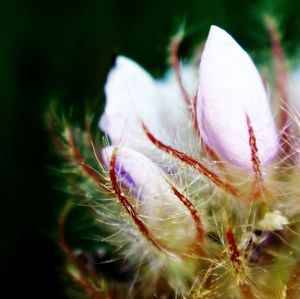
(64, 49)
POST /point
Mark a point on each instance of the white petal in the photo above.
(294, 88)
(165, 215)
(230, 88)
(131, 97)
(178, 120)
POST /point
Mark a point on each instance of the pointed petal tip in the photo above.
(121, 63)
(218, 38)
(131, 96)
(214, 29)
(231, 86)
(217, 33)
(122, 60)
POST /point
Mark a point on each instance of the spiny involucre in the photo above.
(197, 193)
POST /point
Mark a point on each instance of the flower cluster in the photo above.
(196, 192)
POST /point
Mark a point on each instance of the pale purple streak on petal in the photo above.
(231, 87)
(137, 173)
(143, 175)
(152, 196)
(125, 176)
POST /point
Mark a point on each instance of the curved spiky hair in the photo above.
(191, 196)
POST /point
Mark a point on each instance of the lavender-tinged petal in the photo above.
(137, 172)
(131, 97)
(231, 88)
(125, 177)
(152, 196)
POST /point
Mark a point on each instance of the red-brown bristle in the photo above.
(93, 174)
(128, 207)
(293, 282)
(88, 288)
(282, 84)
(193, 211)
(192, 163)
(213, 156)
(85, 277)
(191, 104)
(176, 67)
(247, 291)
(244, 287)
(193, 112)
(234, 257)
(258, 181)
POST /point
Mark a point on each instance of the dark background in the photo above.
(63, 49)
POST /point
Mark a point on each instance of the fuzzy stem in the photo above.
(81, 280)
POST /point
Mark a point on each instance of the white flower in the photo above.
(134, 97)
(230, 90)
(197, 188)
(234, 120)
